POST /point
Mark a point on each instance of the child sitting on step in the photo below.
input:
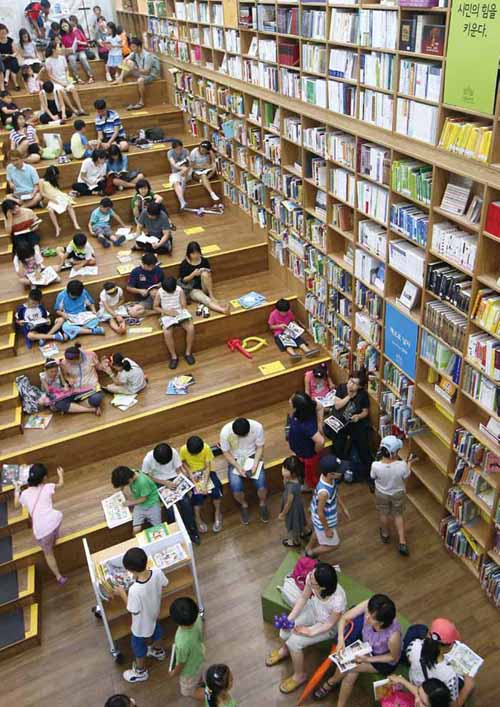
(112, 308)
(77, 254)
(141, 495)
(33, 320)
(279, 319)
(197, 461)
(100, 224)
(144, 195)
(127, 376)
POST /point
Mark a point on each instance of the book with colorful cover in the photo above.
(156, 532)
(170, 496)
(251, 299)
(37, 421)
(169, 556)
(15, 473)
(115, 512)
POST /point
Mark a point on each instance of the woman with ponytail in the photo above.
(128, 377)
(218, 682)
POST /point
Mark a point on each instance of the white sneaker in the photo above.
(135, 675)
(214, 196)
(157, 653)
(217, 526)
(108, 77)
(202, 527)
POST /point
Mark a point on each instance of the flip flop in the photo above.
(290, 685)
(323, 691)
(288, 543)
(274, 658)
(312, 352)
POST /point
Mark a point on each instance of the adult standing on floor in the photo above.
(80, 370)
(46, 520)
(304, 436)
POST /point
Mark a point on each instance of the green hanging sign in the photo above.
(472, 55)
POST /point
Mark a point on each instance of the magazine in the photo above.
(115, 512)
(169, 556)
(251, 299)
(37, 421)
(156, 532)
(198, 482)
(15, 473)
(170, 496)
(335, 423)
(179, 385)
(463, 660)
(293, 330)
(50, 350)
(345, 659)
(248, 466)
(167, 321)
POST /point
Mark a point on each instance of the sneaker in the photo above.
(403, 549)
(119, 241)
(214, 196)
(202, 527)
(217, 526)
(135, 675)
(98, 331)
(103, 241)
(264, 514)
(157, 653)
(62, 581)
(196, 539)
(199, 310)
(174, 362)
(245, 516)
(206, 312)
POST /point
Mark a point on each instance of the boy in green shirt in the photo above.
(141, 495)
(189, 648)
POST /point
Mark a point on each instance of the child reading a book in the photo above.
(189, 648)
(197, 462)
(170, 303)
(127, 376)
(218, 683)
(30, 268)
(143, 602)
(324, 508)
(431, 693)
(76, 306)
(100, 224)
(154, 230)
(292, 507)
(58, 202)
(144, 195)
(389, 473)
(317, 382)
(141, 495)
(112, 308)
(33, 320)
(288, 338)
(78, 253)
(59, 395)
(81, 146)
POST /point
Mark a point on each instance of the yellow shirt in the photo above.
(196, 462)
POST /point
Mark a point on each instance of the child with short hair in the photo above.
(197, 461)
(30, 268)
(292, 507)
(100, 222)
(144, 603)
(144, 195)
(141, 495)
(280, 317)
(189, 648)
(77, 254)
(81, 147)
(33, 320)
(324, 508)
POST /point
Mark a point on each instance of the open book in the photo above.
(335, 423)
(344, 660)
(89, 270)
(248, 466)
(114, 510)
(182, 486)
(463, 660)
(168, 321)
(147, 240)
(43, 277)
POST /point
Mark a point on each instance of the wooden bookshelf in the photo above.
(273, 120)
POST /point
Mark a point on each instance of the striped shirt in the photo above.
(107, 123)
(330, 509)
(28, 133)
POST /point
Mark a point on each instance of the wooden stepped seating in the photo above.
(17, 588)
(85, 486)
(11, 519)
(19, 629)
(63, 440)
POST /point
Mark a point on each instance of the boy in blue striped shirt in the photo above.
(324, 508)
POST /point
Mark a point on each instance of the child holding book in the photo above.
(144, 195)
(58, 202)
(143, 602)
(197, 461)
(141, 495)
(389, 473)
(30, 268)
(100, 223)
(317, 383)
(127, 376)
(33, 320)
(189, 648)
(292, 508)
(170, 303)
(324, 508)
(78, 253)
(279, 319)
(218, 683)
(81, 146)
(112, 308)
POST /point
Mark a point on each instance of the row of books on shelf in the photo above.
(367, 300)
(484, 351)
(443, 321)
(490, 580)
(397, 417)
(450, 284)
(471, 139)
(411, 221)
(461, 506)
(407, 259)
(454, 244)
(373, 237)
(413, 179)
(368, 328)
(369, 269)
(486, 310)
(474, 452)
(458, 540)
(485, 391)
(470, 477)
(440, 357)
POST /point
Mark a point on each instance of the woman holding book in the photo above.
(195, 278)
(80, 370)
(46, 520)
(59, 396)
(21, 224)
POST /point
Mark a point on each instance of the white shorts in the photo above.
(178, 178)
(324, 540)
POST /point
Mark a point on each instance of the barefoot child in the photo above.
(197, 461)
(112, 308)
(292, 508)
(100, 224)
(189, 648)
(127, 376)
(280, 317)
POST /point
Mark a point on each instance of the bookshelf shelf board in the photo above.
(342, 79)
(345, 294)
(478, 368)
(495, 239)
(433, 295)
(490, 280)
(442, 428)
(476, 113)
(417, 55)
(437, 452)
(493, 478)
(480, 531)
(390, 387)
(367, 339)
(477, 500)
(427, 506)
(431, 478)
(290, 168)
(411, 314)
(394, 230)
(495, 555)
(475, 323)
(418, 99)
(340, 260)
(457, 219)
(422, 204)
(471, 566)
(370, 216)
(472, 425)
(349, 235)
(429, 390)
(489, 412)
(378, 89)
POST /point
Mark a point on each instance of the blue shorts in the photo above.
(198, 499)
(140, 644)
(236, 481)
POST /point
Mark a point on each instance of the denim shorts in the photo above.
(140, 644)
(198, 499)
(236, 482)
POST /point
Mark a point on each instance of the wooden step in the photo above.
(7, 345)
(6, 321)
(10, 422)
(17, 587)
(12, 519)
(19, 630)
(9, 397)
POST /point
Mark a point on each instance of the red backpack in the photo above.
(302, 568)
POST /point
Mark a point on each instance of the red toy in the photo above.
(236, 345)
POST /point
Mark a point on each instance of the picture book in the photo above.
(124, 402)
(327, 400)
(43, 277)
(127, 232)
(251, 299)
(168, 321)
(15, 473)
(115, 512)
(111, 574)
(381, 688)
(37, 421)
(294, 330)
(169, 556)
(179, 385)
(345, 659)
(288, 341)
(156, 532)
(50, 350)
(335, 423)
(87, 270)
(125, 268)
(463, 660)
(170, 496)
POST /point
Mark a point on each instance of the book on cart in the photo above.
(169, 556)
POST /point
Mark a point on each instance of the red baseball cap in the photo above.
(445, 631)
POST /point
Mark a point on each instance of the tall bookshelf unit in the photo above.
(328, 141)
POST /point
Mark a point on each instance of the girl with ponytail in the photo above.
(127, 376)
(218, 682)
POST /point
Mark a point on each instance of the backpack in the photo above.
(303, 566)
(154, 134)
(29, 394)
(412, 633)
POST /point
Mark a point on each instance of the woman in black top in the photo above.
(11, 65)
(195, 278)
(352, 406)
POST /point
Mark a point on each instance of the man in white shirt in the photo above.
(144, 603)
(242, 443)
(162, 464)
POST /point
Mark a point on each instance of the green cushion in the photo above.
(272, 601)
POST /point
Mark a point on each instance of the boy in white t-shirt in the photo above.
(240, 441)
(144, 603)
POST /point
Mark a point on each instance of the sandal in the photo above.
(323, 691)
(274, 658)
(289, 543)
(290, 685)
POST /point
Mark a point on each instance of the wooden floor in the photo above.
(72, 667)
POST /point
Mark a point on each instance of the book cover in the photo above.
(37, 421)
(407, 34)
(169, 556)
(170, 496)
(15, 473)
(115, 512)
(433, 39)
(156, 532)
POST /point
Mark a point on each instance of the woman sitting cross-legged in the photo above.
(127, 376)
(374, 621)
(316, 614)
(117, 166)
(195, 278)
(59, 395)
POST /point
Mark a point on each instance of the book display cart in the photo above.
(379, 201)
(182, 579)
